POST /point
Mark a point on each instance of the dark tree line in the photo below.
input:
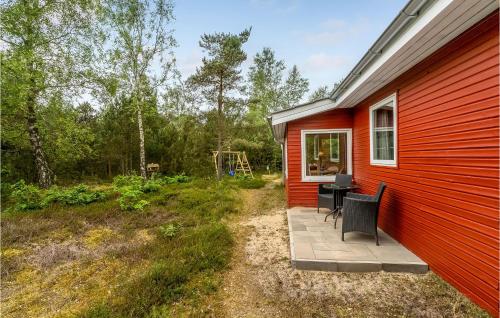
(90, 90)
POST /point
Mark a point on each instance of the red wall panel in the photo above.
(442, 200)
(304, 193)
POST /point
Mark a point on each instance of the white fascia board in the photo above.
(435, 11)
(327, 104)
(420, 23)
(302, 111)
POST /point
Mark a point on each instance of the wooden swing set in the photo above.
(237, 162)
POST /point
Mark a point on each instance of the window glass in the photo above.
(383, 132)
(325, 154)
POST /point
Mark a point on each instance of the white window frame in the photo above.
(286, 157)
(303, 162)
(338, 148)
(377, 162)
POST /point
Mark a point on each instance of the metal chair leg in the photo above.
(331, 213)
(336, 218)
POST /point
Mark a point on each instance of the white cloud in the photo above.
(335, 31)
(325, 62)
(187, 64)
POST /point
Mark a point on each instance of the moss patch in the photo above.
(98, 236)
(12, 252)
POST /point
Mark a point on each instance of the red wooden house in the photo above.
(420, 112)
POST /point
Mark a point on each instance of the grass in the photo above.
(99, 261)
(171, 259)
(246, 182)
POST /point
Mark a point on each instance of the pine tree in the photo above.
(220, 76)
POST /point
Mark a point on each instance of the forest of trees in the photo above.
(91, 90)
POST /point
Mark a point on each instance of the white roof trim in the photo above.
(432, 13)
(301, 111)
(438, 24)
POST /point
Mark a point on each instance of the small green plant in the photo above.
(130, 199)
(26, 196)
(169, 230)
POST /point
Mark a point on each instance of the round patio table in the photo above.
(339, 192)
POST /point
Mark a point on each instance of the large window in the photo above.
(383, 124)
(325, 153)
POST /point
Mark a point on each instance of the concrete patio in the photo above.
(316, 245)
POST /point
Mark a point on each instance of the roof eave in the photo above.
(409, 45)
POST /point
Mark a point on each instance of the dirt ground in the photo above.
(262, 283)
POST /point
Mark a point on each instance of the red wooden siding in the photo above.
(304, 193)
(442, 199)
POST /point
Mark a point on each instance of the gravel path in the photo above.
(261, 282)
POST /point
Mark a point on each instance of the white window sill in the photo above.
(391, 164)
(319, 179)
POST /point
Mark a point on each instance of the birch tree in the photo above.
(220, 76)
(142, 42)
(47, 47)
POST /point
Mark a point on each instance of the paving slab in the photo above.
(317, 245)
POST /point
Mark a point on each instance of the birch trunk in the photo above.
(142, 152)
(44, 174)
(220, 105)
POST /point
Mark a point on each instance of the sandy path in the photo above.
(261, 282)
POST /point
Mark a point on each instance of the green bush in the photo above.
(78, 195)
(151, 186)
(30, 197)
(181, 178)
(131, 189)
(127, 181)
(130, 199)
(26, 196)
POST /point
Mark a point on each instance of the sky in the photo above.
(325, 39)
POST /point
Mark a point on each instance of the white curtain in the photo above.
(384, 134)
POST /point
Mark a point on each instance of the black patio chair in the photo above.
(360, 212)
(325, 195)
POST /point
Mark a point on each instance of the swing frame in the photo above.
(242, 164)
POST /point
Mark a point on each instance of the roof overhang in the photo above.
(419, 30)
